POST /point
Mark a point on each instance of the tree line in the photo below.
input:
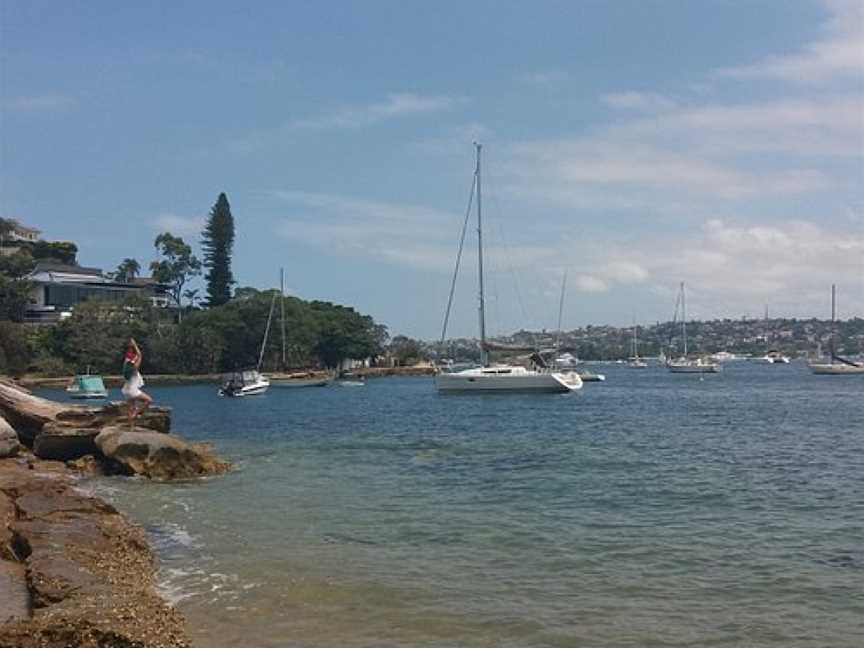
(224, 335)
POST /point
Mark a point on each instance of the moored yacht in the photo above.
(836, 365)
(684, 364)
(497, 378)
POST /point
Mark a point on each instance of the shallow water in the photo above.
(649, 510)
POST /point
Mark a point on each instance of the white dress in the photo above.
(132, 387)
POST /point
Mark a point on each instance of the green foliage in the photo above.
(14, 298)
(63, 251)
(217, 242)
(17, 265)
(14, 349)
(127, 270)
(178, 265)
(405, 350)
(219, 339)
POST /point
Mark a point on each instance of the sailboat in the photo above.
(250, 382)
(685, 364)
(500, 378)
(285, 381)
(837, 365)
(635, 361)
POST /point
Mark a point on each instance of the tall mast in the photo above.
(282, 309)
(561, 311)
(484, 356)
(833, 317)
(684, 319)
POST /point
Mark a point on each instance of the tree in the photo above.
(192, 296)
(127, 270)
(14, 298)
(178, 266)
(62, 251)
(217, 242)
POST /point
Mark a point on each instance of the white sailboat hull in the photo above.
(836, 369)
(509, 379)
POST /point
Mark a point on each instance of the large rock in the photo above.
(64, 443)
(14, 596)
(9, 445)
(158, 456)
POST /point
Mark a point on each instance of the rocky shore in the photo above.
(74, 572)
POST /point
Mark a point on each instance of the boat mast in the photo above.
(833, 319)
(484, 355)
(266, 333)
(282, 309)
(560, 312)
(684, 319)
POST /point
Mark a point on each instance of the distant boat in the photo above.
(589, 376)
(244, 383)
(685, 364)
(498, 378)
(300, 382)
(87, 386)
(837, 365)
(723, 356)
(285, 381)
(774, 357)
(635, 362)
(250, 382)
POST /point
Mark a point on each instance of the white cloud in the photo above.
(591, 284)
(178, 225)
(393, 106)
(546, 77)
(48, 102)
(840, 53)
(408, 235)
(648, 101)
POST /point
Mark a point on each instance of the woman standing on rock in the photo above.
(136, 400)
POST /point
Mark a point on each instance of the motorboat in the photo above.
(774, 357)
(244, 383)
(589, 376)
(87, 386)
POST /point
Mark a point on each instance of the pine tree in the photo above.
(216, 242)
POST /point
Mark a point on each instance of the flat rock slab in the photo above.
(43, 503)
(64, 443)
(14, 596)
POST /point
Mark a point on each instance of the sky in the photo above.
(627, 145)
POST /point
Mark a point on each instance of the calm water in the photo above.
(650, 510)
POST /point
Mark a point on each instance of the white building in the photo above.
(58, 288)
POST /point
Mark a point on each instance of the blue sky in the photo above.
(631, 144)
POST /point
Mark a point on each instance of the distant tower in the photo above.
(766, 311)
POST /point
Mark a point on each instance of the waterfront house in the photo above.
(58, 288)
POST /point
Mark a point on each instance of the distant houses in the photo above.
(58, 288)
(15, 232)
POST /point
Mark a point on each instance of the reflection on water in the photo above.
(652, 509)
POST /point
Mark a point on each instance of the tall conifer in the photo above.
(217, 241)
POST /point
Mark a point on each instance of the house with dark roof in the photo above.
(58, 288)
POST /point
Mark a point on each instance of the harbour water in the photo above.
(650, 510)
